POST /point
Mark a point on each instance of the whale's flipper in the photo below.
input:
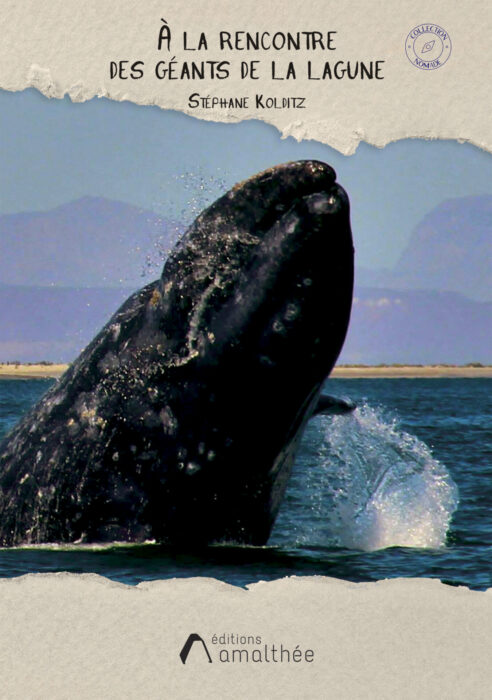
(333, 406)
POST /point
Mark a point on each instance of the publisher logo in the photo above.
(244, 649)
(183, 654)
(428, 46)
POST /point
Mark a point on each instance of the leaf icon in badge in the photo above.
(428, 46)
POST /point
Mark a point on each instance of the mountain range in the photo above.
(449, 250)
(63, 273)
(91, 242)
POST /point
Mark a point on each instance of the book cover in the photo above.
(245, 312)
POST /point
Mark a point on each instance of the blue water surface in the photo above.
(401, 488)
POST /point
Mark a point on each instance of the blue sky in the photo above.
(53, 151)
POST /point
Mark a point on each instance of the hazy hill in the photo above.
(52, 323)
(417, 327)
(450, 249)
(91, 242)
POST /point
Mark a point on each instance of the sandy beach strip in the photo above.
(43, 371)
(34, 371)
(411, 372)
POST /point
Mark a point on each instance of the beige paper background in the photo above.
(64, 47)
(67, 636)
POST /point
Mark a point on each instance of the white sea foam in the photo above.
(366, 484)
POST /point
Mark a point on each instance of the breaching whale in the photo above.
(180, 421)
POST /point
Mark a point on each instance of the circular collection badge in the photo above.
(428, 46)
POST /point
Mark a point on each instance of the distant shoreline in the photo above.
(48, 371)
(411, 372)
(31, 371)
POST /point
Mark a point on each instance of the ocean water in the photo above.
(400, 488)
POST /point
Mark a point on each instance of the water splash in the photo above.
(166, 235)
(200, 191)
(363, 483)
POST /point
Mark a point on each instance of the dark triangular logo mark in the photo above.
(183, 654)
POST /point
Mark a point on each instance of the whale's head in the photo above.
(255, 305)
(270, 264)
